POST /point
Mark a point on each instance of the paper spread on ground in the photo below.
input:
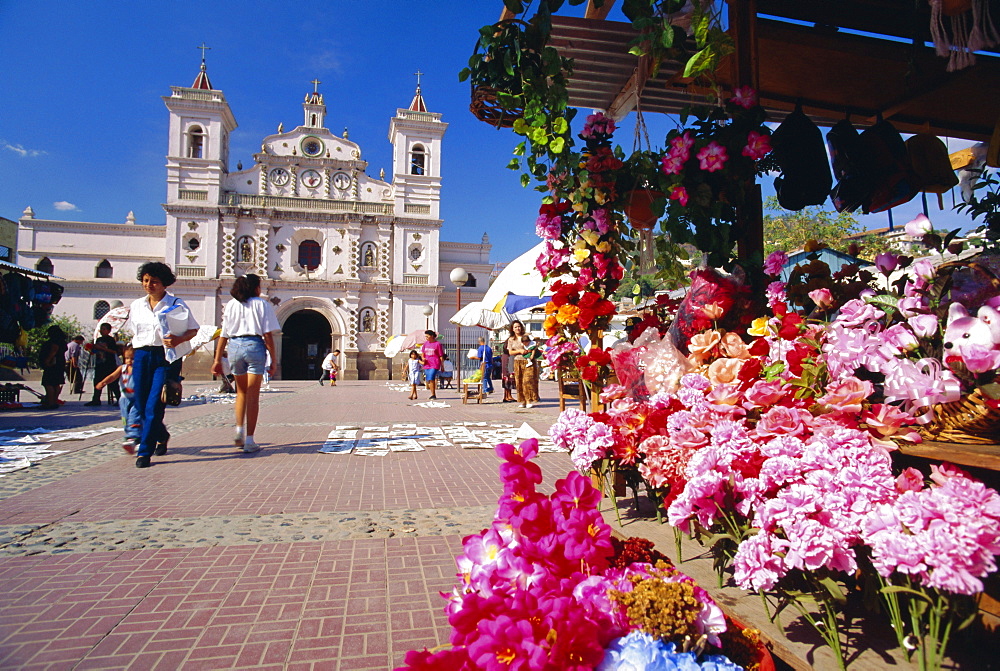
(19, 448)
(379, 441)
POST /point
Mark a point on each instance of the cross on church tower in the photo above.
(315, 84)
(201, 81)
(418, 73)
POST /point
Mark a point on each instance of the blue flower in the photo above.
(641, 652)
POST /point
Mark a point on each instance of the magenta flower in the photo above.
(924, 326)
(918, 226)
(681, 145)
(672, 165)
(886, 262)
(822, 298)
(680, 194)
(758, 145)
(713, 157)
(745, 97)
(548, 227)
(775, 263)
(598, 125)
(979, 359)
(506, 644)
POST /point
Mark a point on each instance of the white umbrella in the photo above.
(519, 278)
(398, 343)
(478, 314)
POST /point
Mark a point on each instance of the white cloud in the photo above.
(327, 60)
(65, 206)
(21, 151)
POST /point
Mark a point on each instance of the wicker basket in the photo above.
(485, 107)
(968, 420)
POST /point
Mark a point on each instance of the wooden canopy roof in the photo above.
(799, 51)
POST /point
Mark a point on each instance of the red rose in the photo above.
(791, 326)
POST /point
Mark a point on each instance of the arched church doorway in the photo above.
(305, 338)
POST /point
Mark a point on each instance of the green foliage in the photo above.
(790, 231)
(38, 335)
(985, 203)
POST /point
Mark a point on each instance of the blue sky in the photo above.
(83, 131)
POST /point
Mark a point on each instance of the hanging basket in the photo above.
(485, 107)
(639, 208)
(968, 420)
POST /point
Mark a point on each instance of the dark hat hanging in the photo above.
(798, 149)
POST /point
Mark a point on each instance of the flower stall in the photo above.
(816, 458)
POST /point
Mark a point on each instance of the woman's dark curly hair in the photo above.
(245, 287)
(160, 271)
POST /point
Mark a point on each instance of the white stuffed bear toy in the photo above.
(973, 341)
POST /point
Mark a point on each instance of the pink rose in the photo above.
(910, 480)
(822, 298)
(781, 421)
(688, 438)
(886, 262)
(847, 395)
(763, 393)
(918, 227)
(979, 359)
(924, 326)
(923, 269)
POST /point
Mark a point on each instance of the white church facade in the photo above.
(349, 259)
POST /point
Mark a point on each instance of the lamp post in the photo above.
(428, 311)
(459, 277)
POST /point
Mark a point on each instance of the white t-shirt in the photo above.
(329, 361)
(449, 367)
(255, 317)
(144, 324)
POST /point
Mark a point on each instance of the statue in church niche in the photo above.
(369, 259)
(367, 322)
(246, 250)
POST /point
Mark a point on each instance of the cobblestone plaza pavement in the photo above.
(285, 559)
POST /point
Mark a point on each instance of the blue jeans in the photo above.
(247, 355)
(488, 380)
(130, 417)
(150, 371)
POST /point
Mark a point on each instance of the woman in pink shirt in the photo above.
(430, 353)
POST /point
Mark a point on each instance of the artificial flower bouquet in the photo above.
(930, 343)
(547, 587)
(778, 459)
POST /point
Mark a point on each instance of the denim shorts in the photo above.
(430, 373)
(247, 355)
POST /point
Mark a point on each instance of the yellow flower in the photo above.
(759, 327)
(591, 237)
(568, 314)
(581, 254)
(604, 247)
(551, 325)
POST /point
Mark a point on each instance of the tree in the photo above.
(790, 231)
(38, 335)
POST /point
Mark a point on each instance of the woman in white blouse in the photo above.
(150, 366)
(247, 324)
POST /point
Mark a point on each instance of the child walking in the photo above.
(126, 402)
(415, 368)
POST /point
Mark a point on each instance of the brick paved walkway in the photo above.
(284, 559)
